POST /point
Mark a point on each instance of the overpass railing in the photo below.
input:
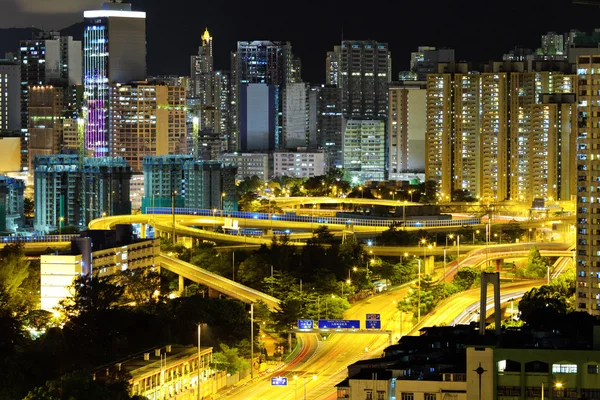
(322, 220)
(38, 239)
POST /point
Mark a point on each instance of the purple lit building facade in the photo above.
(114, 51)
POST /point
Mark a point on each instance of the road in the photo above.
(216, 282)
(328, 359)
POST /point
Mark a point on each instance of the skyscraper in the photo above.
(10, 96)
(114, 52)
(330, 125)
(406, 128)
(364, 75)
(295, 115)
(266, 62)
(148, 119)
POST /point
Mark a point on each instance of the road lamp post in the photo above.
(60, 222)
(457, 251)
(404, 215)
(214, 218)
(199, 360)
(419, 294)
(222, 198)
(410, 193)
(251, 340)
(173, 193)
(529, 236)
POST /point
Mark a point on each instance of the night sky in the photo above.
(478, 30)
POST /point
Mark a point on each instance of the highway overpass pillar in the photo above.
(494, 279)
(143, 231)
(290, 341)
(499, 264)
(181, 285)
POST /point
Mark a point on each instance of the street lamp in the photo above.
(173, 193)
(557, 385)
(348, 282)
(222, 197)
(199, 360)
(529, 236)
(314, 377)
(475, 232)
(404, 215)
(410, 192)
(60, 222)
(214, 218)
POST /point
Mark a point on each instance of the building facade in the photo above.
(295, 115)
(364, 149)
(302, 163)
(407, 121)
(258, 117)
(330, 125)
(10, 97)
(70, 191)
(364, 75)
(147, 119)
(248, 164)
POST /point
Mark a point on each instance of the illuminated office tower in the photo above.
(202, 68)
(148, 119)
(332, 66)
(114, 51)
(10, 96)
(364, 75)
(407, 122)
(588, 183)
(364, 149)
(330, 124)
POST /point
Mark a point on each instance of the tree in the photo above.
(512, 231)
(80, 385)
(91, 294)
(15, 271)
(462, 195)
(466, 278)
(428, 192)
(28, 207)
(537, 266)
(140, 285)
(228, 360)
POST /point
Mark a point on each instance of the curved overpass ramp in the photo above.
(216, 282)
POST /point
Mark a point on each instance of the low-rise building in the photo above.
(113, 251)
(166, 373)
(456, 362)
(302, 163)
(248, 164)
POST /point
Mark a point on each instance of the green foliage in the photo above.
(428, 192)
(91, 294)
(537, 266)
(28, 207)
(512, 231)
(395, 235)
(549, 301)
(80, 385)
(207, 257)
(462, 195)
(322, 235)
(14, 272)
(466, 278)
(141, 285)
(228, 360)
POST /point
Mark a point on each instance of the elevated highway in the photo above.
(216, 282)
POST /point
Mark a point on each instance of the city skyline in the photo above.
(404, 28)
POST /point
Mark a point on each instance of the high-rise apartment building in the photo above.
(364, 75)
(364, 149)
(497, 135)
(588, 183)
(184, 181)
(426, 59)
(147, 118)
(114, 51)
(70, 191)
(262, 62)
(407, 120)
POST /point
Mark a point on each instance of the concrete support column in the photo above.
(181, 285)
(143, 231)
